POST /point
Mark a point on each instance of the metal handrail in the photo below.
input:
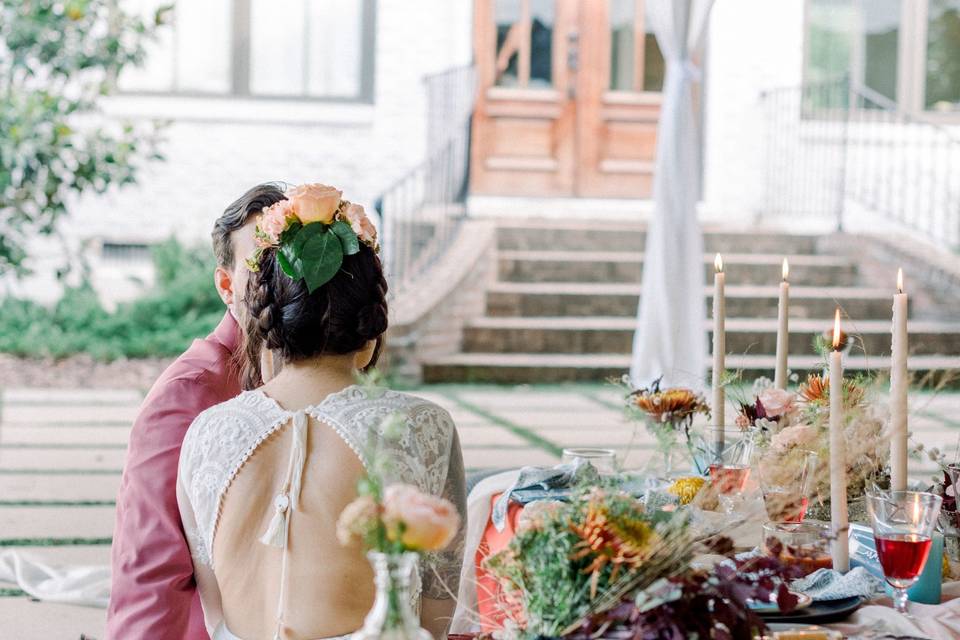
(422, 210)
(842, 150)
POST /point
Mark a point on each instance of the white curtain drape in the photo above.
(670, 338)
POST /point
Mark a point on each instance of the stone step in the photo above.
(619, 236)
(584, 335)
(528, 368)
(69, 487)
(56, 522)
(620, 299)
(626, 266)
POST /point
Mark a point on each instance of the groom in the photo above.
(153, 595)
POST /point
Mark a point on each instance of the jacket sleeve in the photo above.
(153, 592)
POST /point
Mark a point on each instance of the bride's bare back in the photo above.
(235, 462)
(329, 587)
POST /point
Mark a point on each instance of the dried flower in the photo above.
(686, 488)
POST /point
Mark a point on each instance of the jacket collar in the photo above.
(227, 333)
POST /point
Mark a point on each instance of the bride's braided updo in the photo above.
(340, 317)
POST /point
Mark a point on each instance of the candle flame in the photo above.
(786, 269)
(836, 330)
(900, 280)
(718, 263)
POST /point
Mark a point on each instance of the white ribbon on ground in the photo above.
(670, 338)
(80, 585)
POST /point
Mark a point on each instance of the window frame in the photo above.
(911, 60)
(240, 65)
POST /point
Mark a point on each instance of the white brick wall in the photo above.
(215, 149)
(752, 45)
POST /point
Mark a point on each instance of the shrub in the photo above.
(182, 305)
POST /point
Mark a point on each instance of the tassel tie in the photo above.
(289, 498)
(285, 502)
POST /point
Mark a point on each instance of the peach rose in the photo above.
(315, 202)
(274, 220)
(420, 521)
(797, 436)
(357, 520)
(776, 402)
(360, 224)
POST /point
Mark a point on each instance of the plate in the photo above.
(771, 608)
(783, 630)
(817, 613)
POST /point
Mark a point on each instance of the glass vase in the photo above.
(392, 616)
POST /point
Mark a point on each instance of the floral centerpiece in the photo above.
(394, 524)
(667, 414)
(805, 427)
(604, 565)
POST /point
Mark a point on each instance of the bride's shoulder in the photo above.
(251, 411)
(360, 400)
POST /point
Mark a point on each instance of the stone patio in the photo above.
(61, 456)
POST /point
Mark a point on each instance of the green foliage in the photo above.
(315, 252)
(182, 306)
(56, 60)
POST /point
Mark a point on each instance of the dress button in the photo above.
(281, 502)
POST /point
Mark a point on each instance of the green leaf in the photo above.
(348, 239)
(290, 232)
(289, 263)
(321, 257)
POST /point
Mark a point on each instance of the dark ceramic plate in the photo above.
(818, 612)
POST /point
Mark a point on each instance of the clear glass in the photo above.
(881, 35)
(603, 460)
(392, 616)
(788, 482)
(903, 523)
(622, 46)
(542, 20)
(623, 51)
(804, 544)
(506, 16)
(943, 56)
(300, 48)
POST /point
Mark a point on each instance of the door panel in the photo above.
(617, 114)
(568, 104)
(524, 122)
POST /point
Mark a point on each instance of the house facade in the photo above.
(566, 106)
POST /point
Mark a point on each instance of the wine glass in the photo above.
(903, 524)
(787, 484)
(603, 460)
(730, 466)
(804, 544)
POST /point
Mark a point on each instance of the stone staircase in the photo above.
(563, 304)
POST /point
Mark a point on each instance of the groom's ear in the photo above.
(223, 280)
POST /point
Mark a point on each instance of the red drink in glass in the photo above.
(729, 478)
(903, 555)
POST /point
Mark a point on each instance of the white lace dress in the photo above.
(223, 438)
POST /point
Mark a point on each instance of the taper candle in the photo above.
(840, 550)
(719, 351)
(898, 390)
(783, 330)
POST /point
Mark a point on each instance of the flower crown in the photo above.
(312, 230)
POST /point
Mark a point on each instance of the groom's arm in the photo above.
(153, 593)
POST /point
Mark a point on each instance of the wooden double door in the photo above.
(568, 101)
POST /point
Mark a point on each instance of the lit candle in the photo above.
(838, 462)
(719, 349)
(898, 390)
(783, 332)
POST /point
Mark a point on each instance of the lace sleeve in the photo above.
(441, 570)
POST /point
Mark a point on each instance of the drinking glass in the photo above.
(603, 460)
(903, 524)
(787, 484)
(729, 468)
(804, 544)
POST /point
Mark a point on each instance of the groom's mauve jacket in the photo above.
(153, 595)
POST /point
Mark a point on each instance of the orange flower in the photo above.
(315, 202)
(420, 521)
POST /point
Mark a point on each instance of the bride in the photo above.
(263, 477)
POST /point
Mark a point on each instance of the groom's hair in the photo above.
(237, 214)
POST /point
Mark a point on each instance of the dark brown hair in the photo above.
(339, 318)
(237, 214)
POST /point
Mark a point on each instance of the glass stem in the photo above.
(900, 600)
